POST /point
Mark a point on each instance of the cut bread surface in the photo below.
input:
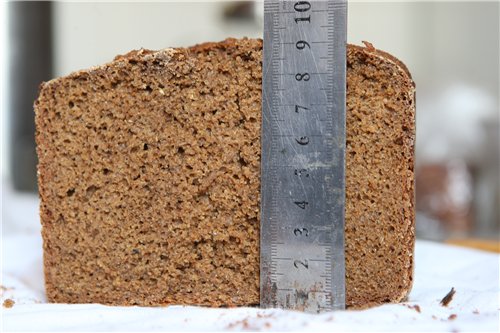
(149, 178)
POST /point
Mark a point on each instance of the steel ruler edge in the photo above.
(302, 264)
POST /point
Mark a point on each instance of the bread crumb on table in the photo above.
(8, 303)
(448, 298)
(415, 307)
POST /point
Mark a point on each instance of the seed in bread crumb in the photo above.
(448, 298)
(8, 303)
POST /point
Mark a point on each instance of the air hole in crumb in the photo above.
(60, 219)
(134, 149)
(148, 89)
(214, 111)
(391, 228)
(145, 147)
(136, 251)
(71, 104)
(70, 192)
(106, 171)
(163, 257)
(189, 167)
(180, 150)
(252, 119)
(242, 161)
(399, 141)
(91, 190)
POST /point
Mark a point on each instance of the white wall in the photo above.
(93, 33)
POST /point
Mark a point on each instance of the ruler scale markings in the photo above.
(293, 265)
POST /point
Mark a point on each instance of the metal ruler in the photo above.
(303, 155)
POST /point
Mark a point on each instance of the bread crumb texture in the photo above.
(149, 178)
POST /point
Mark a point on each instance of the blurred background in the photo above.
(451, 49)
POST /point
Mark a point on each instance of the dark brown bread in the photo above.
(149, 178)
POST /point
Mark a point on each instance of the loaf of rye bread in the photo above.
(149, 178)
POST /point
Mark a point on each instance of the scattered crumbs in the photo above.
(452, 317)
(415, 307)
(265, 315)
(475, 311)
(448, 298)
(4, 289)
(8, 303)
(434, 317)
(329, 318)
(185, 320)
(243, 323)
